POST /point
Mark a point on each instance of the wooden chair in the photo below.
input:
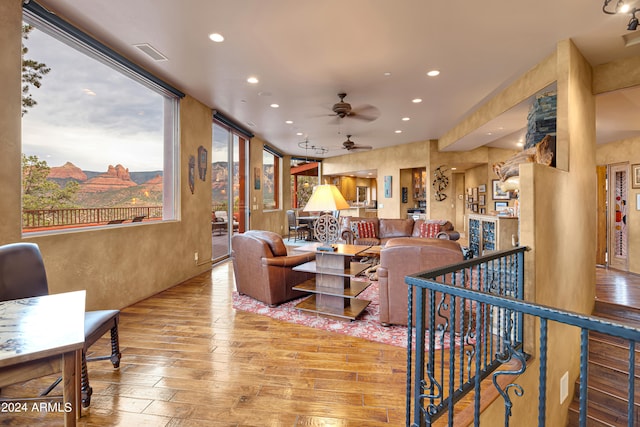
(22, 275)
(301, 230)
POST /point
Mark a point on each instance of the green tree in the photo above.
(40, 193)
(32, 73)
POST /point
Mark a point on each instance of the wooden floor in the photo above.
(189, 359)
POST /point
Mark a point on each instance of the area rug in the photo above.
(367, 325)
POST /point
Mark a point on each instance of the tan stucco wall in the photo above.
(118, 265)
(626, 151)
(536, 79)
(388, 161)
(10, 125)
(273, 220)
(558, 222)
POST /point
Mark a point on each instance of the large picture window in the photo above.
(99, 138)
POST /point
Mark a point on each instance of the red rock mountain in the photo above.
(154, 184)
(67, 171)
(116, 178)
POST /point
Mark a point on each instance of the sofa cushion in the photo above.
(395, 227)
(429, 229)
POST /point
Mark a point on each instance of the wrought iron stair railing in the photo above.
(469, 317)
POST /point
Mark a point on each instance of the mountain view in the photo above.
(115, 187)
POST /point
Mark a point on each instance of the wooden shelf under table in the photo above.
(355, 288)
(350, 311)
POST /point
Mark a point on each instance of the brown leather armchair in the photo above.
(262, 268)
(404, 256)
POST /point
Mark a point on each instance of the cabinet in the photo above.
(333, 290)
(491, 233)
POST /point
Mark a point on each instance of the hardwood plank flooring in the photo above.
(189, 359)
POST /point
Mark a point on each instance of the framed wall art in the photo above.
(498, 194)
(387, 186)
(635, 176)
(482, 188)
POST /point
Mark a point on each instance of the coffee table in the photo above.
(333, 289)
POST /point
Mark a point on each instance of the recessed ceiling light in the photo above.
(253, 80)
(433, 73)
(299, 133)
(216, 37)
(289, 122)
(519, 144)
(454, 169)
(274, 105)
(89, 92)
(398, 131)
(416, 100)
(387, 74)
(406, 119)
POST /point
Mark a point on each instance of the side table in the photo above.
(333, 288)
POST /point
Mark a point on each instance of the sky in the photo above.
(90, 114)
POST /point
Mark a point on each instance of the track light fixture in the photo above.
(622, 7)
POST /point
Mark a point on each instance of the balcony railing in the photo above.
(55, 218)
(480, 308)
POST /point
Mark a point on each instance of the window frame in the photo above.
(277, 179)
(52, 25)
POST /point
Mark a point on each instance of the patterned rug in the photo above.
(367, 325)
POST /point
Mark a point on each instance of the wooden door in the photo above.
(601, 219)
(618, 189)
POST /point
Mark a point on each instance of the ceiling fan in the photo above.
(349, 145)
(343, 109)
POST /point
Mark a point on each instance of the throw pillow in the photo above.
(363, 229)
(429, 229)
(366, 230)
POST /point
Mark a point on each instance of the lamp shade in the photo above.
(326, 197)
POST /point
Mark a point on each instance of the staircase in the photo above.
(609, 373)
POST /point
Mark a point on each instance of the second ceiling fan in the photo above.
(349, 145)
(343, 109)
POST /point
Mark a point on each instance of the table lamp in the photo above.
(326, 198)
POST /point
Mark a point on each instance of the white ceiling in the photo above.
(305, 52)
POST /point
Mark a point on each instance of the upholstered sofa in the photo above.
(263, 269)
(377, 231)
(404, 256)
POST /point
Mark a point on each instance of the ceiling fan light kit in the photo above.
(343, 109)
(349, 145)
(622, 7)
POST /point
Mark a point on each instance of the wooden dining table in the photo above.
(41, 336)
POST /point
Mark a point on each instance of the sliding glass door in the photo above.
(228, 189)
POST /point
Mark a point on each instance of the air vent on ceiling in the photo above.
(151, 51)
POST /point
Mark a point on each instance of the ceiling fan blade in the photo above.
(360, 147)
(366, 112)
